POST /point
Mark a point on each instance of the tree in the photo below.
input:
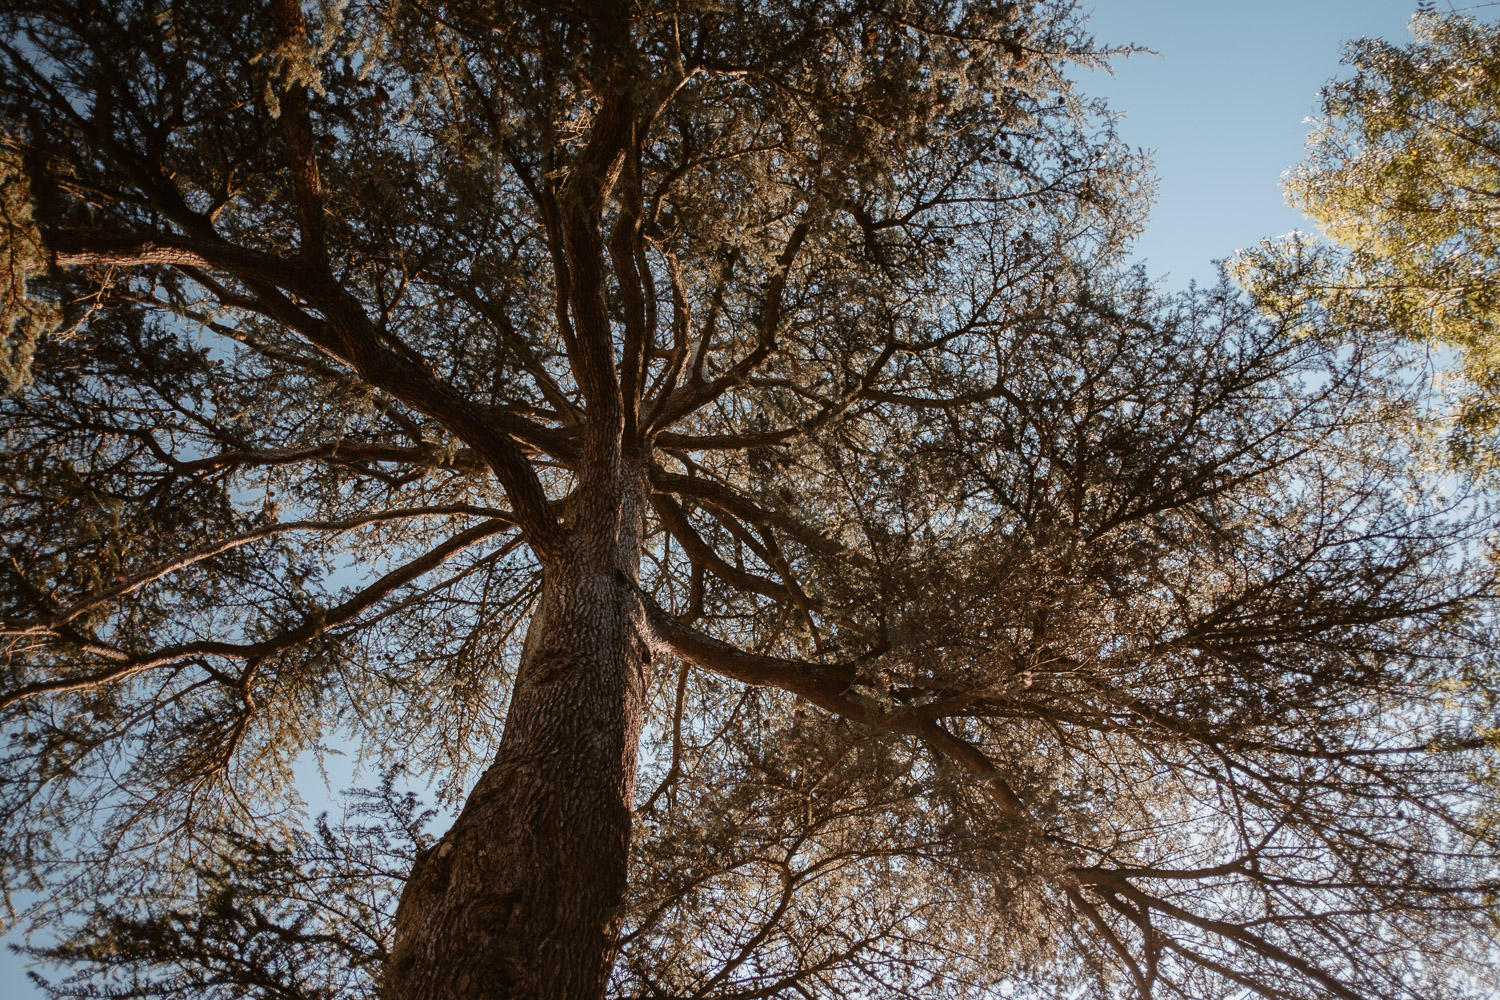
(1403, 174)
(513, 387)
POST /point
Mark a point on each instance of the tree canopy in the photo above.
(490, 390)
(1403, 174)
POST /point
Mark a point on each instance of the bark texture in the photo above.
(521, 897)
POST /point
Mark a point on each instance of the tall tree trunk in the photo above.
(520, 898)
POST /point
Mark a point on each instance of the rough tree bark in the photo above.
(521, 897)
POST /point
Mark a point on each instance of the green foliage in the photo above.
(1403, 175)
(24, 319)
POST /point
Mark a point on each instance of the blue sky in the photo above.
(1223, 105)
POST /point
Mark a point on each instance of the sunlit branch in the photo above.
(826, 685)
(1089, 910)
(1240, 936)
(519, 346)
(701, 552)
(128, 665)
(697, 394)
(296, 126)
(346, 336)
(630, 282)
(428, 456)
(140, 580)
(742, 507)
